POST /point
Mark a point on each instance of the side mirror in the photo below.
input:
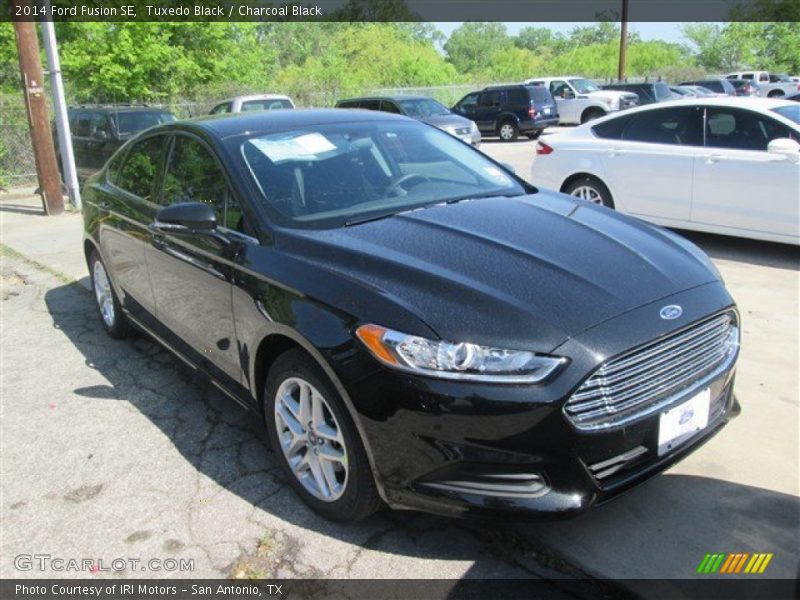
(100, 135)
(186, 217)
(785, 147)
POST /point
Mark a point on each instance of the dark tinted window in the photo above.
(139, 170)
(221, 108)
(539, 93)
(347, 104)
(132, 122)
(612, 129)
(193, 175)
(747, 76)
(558, 88)
(790, 112)
(713, 85)
(390, 107)
(664, 126)
(490, 98)
(84, 126)
(742, 129)
(518, 97)
(370, 104)
(100, 125)
(662, 91)
(469, 101)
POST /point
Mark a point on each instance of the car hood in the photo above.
(445, 121)
(524, 272)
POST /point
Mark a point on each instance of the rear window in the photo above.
(662, 91)
(790, 112)
(132, 122)
(539, 93)
(612, 129)
(273, 104)
(518, 97)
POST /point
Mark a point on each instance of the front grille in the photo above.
(645, 380)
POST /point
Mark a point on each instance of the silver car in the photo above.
(422, 109)
(253, 102)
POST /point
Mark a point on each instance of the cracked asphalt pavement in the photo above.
(116, 449)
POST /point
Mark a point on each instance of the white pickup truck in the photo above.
(580, 100)
(771, 84)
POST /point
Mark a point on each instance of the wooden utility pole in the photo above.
(30, 67)
(623, 41)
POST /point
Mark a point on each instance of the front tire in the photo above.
(508, 131)
(592, 190)
(114, 320)
(316, 442)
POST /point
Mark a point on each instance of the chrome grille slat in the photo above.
(604, 380)
(658, 347)
(642, 381)
(664, 366)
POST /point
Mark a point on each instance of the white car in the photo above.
(770, 84)
(722, 165)
(579, 100)
(253, 102)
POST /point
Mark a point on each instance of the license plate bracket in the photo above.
(681, 422)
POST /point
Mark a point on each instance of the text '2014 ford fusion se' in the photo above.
(416, 326)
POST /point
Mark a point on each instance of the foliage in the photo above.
(3, 176)
(472, 46)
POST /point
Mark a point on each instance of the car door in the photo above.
(190, 273)
(487, 110)
(125, 213)
(649, 167)
(468, 105)
(737, 183)
(566, 101)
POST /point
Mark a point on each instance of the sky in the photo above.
(667, 32)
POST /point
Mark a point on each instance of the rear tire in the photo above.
(592, 190)
(113, 319)
(535, 135)
(590, 114)
(774, 93)
(508, 131)
(324, 459)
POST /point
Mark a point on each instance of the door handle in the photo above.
(616, 152)
(713, 158)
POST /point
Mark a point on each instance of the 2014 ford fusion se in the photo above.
(416, 326)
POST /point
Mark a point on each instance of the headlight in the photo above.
(451, 360)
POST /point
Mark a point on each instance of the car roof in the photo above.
(750, 102)
(264, 122)
(117, 109)
(256, 97)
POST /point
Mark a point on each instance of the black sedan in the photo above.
(416, 326)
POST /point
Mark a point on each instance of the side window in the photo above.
(764, 78)
(490, 99)
(748, 76)
(558, 87)
(518, 98)
(666, 126)
(469, 101)
(100, 126)
(221, 108)
(84, 125)
(193, 175)
(371, 104)
(742, 129)
(390, 107)
(612, 129)
(138, 172)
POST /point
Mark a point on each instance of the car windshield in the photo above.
(423, 107)
(584, 86)
(132, 122)
(791, 112)
(339, 174)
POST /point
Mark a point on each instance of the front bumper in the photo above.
(465, 449)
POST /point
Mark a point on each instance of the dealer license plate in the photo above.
(678, 424)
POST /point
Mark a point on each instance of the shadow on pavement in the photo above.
(210, 432)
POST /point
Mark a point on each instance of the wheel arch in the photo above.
(594, 107)
(576, 176)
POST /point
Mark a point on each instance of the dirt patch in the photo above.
(83, 493)
(11, 284)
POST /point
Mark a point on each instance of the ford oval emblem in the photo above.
(671, 311)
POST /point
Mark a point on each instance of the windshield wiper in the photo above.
(476, 197)
(362, 220)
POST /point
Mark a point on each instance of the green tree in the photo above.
(471, 47)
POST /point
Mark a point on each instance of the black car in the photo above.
(98, 131)
(506, 111)
(718, 86)
(422, 108)
(649, 93)
(416, 325)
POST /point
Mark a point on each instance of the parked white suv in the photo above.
(770, 84)
(253, 102)
(580, 100)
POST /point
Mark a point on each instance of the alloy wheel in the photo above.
(103, 293)
(507, 131)
(311, 439)
(586, 192)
